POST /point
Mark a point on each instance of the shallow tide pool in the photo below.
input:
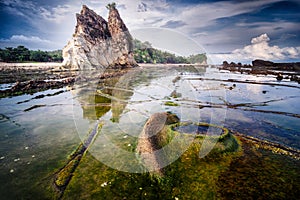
(38, 134)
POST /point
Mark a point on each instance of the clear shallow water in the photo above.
(36, 142)
(261, 109)
(5, 86)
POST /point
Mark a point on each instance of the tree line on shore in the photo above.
(143, 53)
(23, 54)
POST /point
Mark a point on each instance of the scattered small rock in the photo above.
(279, 77)
(177, 78)
(175, 94)
(294, 78)
(104, 184)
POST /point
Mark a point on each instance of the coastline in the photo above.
(39, 65)
(169, 65)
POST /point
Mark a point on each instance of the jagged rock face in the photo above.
(93, 26)
(98, 44)
(116, 25)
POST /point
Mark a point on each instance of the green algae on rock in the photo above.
(189, 177)
(189, 169)
(171, 103)
(153, 137)
(64, 175)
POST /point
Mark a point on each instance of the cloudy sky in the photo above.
(225, 30)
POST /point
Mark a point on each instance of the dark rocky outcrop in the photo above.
(233, 65)
(33, 86)
(276, 66)
(265, 68)
(98, 44)
(262, 63)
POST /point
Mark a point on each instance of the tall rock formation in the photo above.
(98, 44)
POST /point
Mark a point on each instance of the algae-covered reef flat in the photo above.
(233, 163)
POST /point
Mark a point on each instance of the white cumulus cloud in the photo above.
(262, 38)
(259, 49)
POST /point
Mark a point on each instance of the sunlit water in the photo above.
(36, 142)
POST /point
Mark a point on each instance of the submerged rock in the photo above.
(98, 44)
(153, 138)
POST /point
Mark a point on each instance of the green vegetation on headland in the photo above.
(143, 53)
(23, 54)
